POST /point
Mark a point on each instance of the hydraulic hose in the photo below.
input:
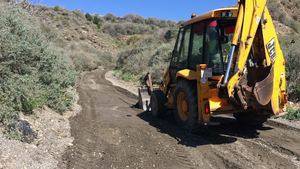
(229, 64)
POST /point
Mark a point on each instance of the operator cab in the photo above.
(206, 40)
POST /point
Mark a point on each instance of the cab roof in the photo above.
(218, 13)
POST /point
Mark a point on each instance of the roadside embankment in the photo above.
(52, 134)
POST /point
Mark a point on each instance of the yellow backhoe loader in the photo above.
(227, 61)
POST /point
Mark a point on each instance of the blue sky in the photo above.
(164, 9)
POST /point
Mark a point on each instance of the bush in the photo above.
(149, 54)
(97, 21)
(110, 17)
(86, 58)
(170, 34)
(293, 114)
(89, 17)
(56, 8)
(160, 23)
(292, 67)
(134, 19)
(126, 28)
(78, 13)
(32, 74)
(133, 40)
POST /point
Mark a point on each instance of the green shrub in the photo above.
(133, 40)
(97, 21)
(110, 17)
(78, 13)
(56, 8)
(134, 19)
(86, 58)
(127, 76)
(32, 74)
(292, 54)
(89, 17)
(293, 114)
(148, 54)
(127, 28)
(170, 34)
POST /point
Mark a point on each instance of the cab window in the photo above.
(179, 40)
(181, 51)
(196, 56)
(226, 35)
(213, 49)
(184, 49)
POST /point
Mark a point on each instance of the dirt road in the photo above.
(110, 134)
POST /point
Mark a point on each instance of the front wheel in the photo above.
(186, 113)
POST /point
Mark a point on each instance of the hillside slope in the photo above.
(93, 40)
(32, 72)
(287, 13)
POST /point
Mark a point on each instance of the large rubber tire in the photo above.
(157, 103)
(251, 118)
(188, 90)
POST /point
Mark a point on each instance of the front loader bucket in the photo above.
(144, 99)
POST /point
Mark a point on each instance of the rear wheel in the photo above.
(186, 113)
(157, 103)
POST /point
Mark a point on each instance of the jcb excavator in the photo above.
(227, 61)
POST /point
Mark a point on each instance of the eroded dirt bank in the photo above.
(53, 136)
(110, 134)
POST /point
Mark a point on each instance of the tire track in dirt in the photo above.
(110, 134)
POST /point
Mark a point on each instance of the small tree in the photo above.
(56, 8)
(110, 17)
(97, 21)
(89, 17)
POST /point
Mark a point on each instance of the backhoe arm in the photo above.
(254, 22)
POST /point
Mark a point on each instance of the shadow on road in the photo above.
(227, 132)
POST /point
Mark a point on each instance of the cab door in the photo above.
(181, 53)
(213, 50)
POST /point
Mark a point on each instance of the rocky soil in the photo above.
(53, 136)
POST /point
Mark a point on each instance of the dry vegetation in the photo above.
(33, 73)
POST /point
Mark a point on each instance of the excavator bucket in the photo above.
(263, 90)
